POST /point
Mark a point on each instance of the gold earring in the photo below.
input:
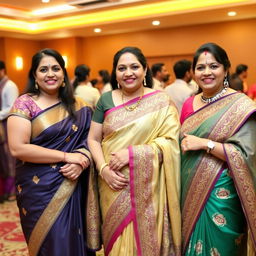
(118, 85)
(144, 81)
(36, 85)
(63, 84)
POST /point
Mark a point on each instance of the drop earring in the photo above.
(144, 82)
(226, 83)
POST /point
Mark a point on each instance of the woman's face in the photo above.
(209, 74)
(49, 75)
(129, 73)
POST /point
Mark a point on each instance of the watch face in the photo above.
(210, 144)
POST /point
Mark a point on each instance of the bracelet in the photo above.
(101, 169)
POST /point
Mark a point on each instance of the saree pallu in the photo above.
(144, 218)
(53, 208)
(218, 197)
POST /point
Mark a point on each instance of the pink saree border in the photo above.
(129, 102)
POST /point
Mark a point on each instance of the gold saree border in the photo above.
(52, 116)
(49, 215)
(209, 167)
(120, 116)
(244, 185)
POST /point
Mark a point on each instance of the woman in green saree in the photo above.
(134, 141)
(218, 162)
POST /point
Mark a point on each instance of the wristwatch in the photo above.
(210, 146)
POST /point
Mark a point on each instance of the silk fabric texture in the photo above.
(144, 217)
(53, 208)
(229, 120)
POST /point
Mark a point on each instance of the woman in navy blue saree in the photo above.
(48, 131)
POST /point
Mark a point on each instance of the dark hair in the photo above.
(157, 67)
(81, 72)
(236, 83)
(181, 67)
(65, 93)
(141, 58)
(2, 64)
(94, 82)
(105, 76)
(218, 52)
(241, 68)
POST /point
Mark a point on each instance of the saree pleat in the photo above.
(52, 208)
(143, 218)
(220, 191)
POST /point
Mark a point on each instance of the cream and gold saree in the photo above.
(144, 218)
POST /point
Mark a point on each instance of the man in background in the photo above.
(8, 94)
(241, 71)
(179, 90)
(160, 75)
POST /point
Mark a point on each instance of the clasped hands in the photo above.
(191, 142)
(75, 164)
(111, 173)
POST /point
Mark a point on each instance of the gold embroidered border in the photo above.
(244, 185)
(145, 213)
(199, 117)
(199, 188)
(52, 116)
(93, 218)
(120, 117)
(116, 214)
(49, 215)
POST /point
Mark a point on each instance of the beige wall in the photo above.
(237, 38)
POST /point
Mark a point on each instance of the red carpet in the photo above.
(12, 241)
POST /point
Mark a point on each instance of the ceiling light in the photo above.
(156, 23)
(97, 30)
(45, 1)
(231, 13)
(58, 8)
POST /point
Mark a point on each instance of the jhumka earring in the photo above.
(36, 85)
(144, 82)
(226, 83)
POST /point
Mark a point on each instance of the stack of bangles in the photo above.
(101, 169)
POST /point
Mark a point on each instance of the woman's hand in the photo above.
(71, 171)
(115, 180)
(191, 142)
(119, 159)
(77, 158)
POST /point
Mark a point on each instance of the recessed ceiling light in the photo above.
(97, 30)
(45, 1)
(156, 23)
(232, 13)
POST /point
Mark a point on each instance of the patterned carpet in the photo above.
(12, 241)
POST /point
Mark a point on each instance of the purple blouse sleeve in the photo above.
(25, 106)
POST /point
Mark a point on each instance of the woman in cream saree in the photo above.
(142, 216)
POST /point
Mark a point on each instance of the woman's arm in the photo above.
(191, 142)
(19, 134)
(116, 180)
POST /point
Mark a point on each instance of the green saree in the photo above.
(218, 198)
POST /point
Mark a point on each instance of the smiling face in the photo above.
(129, 73)
(209, 74)
(49, 75)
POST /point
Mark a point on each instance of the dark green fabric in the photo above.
(105, 103)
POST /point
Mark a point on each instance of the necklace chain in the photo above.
(135, 105)
(213, 98)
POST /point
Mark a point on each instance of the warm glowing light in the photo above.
(19, 63)
(45, 1)
(231, 14)
(66, 60)
(59, 8)
(155, 22)
(97, 30)
(170, 7)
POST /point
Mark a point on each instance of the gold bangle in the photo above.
(101, 168)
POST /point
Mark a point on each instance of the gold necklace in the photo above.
(134, 106)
